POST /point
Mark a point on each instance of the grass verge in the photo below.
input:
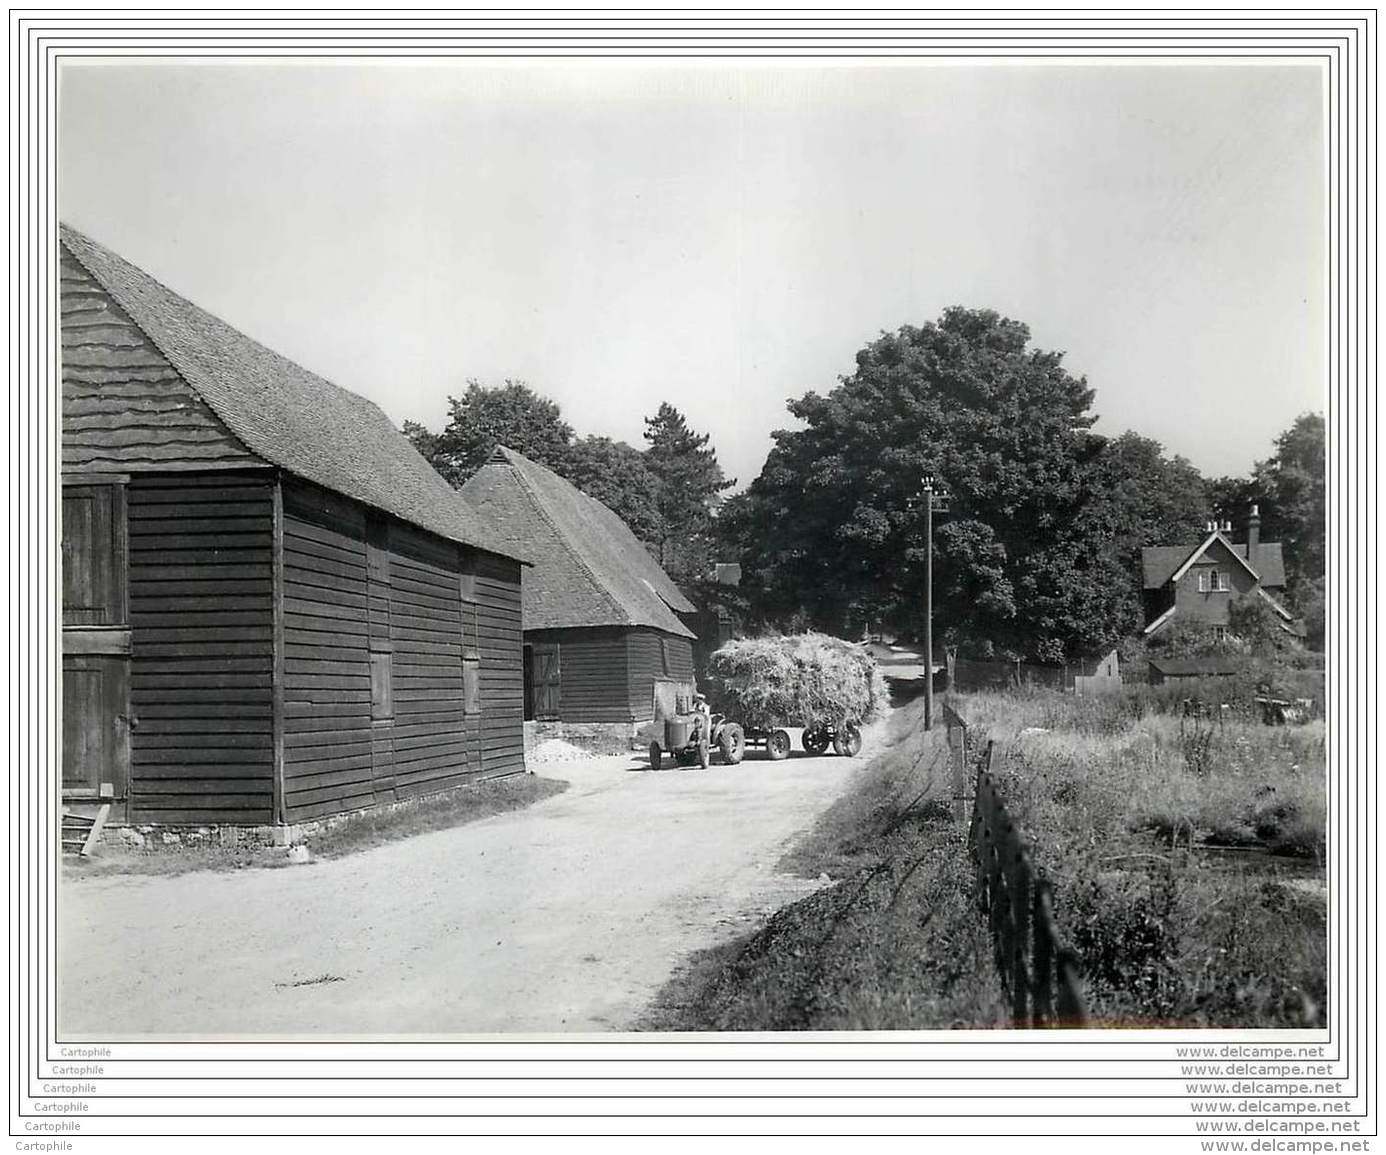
(895, 944)
(1186, 855)
(350, 835)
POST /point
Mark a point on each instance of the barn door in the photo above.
(96, 726)
(96, 643)
(545, 686)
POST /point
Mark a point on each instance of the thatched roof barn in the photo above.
(603, 639)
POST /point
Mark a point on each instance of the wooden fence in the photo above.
(1039, 973)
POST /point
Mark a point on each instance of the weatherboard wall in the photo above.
(124, 406)
(655, 656)
(202, 650)
(385, 625)
(495, 618)
(607, 673)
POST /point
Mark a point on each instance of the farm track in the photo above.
(564, 917)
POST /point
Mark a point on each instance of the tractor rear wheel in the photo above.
(733, 743)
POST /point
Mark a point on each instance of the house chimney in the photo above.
(1253, 533)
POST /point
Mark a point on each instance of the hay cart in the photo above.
(844, 738)
(681, 738)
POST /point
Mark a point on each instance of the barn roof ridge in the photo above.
(591, 569)
(286, 414)
(498, 457)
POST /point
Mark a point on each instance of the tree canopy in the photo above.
(689, 485)
(668, 494)
(513, 415)
(1035, 557)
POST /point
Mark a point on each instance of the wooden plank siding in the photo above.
(201, 619)
(429, 730)
(124, 406)
(654, 654)
(328, 740)
(593, 665)
(376, 630)
(496, 614)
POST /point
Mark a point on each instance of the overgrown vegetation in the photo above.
(1186, 851)
(895, 943)
(195, 851)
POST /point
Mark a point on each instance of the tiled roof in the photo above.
(1159, 562)
(286, 415)
(1195, 667)
(589, 568)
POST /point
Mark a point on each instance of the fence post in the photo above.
(1019, 887)
(1042, 1012)
(957, 761)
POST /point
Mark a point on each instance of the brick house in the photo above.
(1201, 582)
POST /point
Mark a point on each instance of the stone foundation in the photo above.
(153, 838)
(595, 737)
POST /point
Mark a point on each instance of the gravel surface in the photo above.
(567, 916)
(552, 750)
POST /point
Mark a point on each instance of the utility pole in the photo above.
(928, 603)
(931, 502)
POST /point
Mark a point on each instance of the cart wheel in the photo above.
(778, 745)
(704, 753)
(733, 743)
(848, 741)
(815, 741)
(654, 756)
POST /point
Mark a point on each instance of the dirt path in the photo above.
(564, 917)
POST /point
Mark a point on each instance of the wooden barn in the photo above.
(274, 610)
(603, 642)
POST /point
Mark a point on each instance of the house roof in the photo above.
(589, 569)
(286, 415)
(1160, 621)
(1194, 667)
(1159, 563)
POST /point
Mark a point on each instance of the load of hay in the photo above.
(795, 680)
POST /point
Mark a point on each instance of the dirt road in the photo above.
(564, 917)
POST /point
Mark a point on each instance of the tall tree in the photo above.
(616, 475)
(833, 526)
(516, 416)
(690, 483)
(1133, 495)
(513, 415)
(1293, 490)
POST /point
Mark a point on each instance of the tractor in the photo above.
(690, 738)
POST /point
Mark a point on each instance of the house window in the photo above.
(1203, 581)
(1214, 581)
(1220, 633)
(1221, 582)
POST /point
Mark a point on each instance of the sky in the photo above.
(726, 237)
